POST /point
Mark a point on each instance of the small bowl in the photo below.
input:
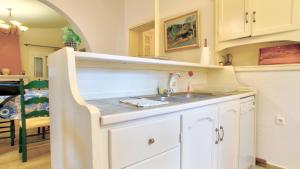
(5, 71)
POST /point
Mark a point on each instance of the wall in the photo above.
(173, 8)
(248, 54)
(101, 22)
(137, 12)
(126, 82)
(10, 53)
(38, 36)
(278, 93)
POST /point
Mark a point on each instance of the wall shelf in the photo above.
(85, 56)
(12, 77)
(264, 68)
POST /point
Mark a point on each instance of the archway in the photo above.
(74, 25)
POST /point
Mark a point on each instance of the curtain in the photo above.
(10, 56)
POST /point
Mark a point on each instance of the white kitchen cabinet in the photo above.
(199, 138)
(137, 142)
(228, 151)
(104, 136)
(247, 133)
(168, 160)
(233, 18)
(242, 18)
(210, 137)
(271, 16)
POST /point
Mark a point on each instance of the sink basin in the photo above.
(192, 95)
(182, 97)
(161, 98)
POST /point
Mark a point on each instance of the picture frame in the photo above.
(182, 32)
(284, 54)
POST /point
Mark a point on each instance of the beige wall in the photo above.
(99, 21)
(102, 22)
(137, 12)
(247, 55)
(38, 36)
(278, 94)
(173, 8)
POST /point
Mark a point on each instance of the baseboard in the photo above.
(263, 163)
(276, 166)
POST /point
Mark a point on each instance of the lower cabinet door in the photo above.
(247, 135)
(200, 138)
(167, 160)
(229, 135)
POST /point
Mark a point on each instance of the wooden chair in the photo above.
(11, 89)
(10, 126)
(34, 119)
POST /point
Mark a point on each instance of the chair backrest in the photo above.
(34, 100)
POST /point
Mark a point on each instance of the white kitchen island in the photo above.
(90, 129)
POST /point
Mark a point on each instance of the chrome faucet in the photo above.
(171, 84)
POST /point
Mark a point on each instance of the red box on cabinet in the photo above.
(286, 54)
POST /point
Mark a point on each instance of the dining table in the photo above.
(10, 108)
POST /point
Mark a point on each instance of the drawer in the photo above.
(132, 144)
(167, 160)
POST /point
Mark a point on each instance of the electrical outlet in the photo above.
(280, 120)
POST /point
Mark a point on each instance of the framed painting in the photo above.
(182, 32)
(286, 54)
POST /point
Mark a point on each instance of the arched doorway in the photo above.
(44, 36)
(73, 24)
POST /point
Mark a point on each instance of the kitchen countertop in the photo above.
(112, 111)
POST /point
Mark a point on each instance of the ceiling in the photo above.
(32, 14)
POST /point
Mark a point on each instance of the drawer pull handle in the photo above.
(218, 136)
(222, 129)
(254, 16)
(151, 141)
(246, 17)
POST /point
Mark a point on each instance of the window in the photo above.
(38, 67)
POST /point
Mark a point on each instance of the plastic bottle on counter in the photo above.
(205, 54)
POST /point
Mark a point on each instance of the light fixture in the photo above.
(12, 26)
(4, 26)
(23, 28)
(16, 23)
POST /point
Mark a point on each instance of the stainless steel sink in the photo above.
(192, 95)
(182, 97)
(162, 98)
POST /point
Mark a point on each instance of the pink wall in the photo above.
(10, 56)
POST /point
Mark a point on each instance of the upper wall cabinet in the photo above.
(269, 16)
(233, 18)
(242, 18)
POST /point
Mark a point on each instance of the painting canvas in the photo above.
(182, 32)
(286, 54)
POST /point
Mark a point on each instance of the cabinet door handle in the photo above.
(247, 17)
(254, 16)
(218, 136)
(151, 141)
(222, 130)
